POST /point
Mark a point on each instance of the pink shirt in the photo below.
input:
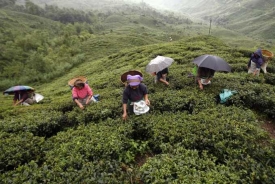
(82, 93)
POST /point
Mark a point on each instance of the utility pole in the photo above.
(210, 26)
(142, 4)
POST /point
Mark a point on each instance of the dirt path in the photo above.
(269, 126)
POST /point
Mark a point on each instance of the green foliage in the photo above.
(189, 135)
(18, 149)
(250, 17)
(103, 171)
(184, 166)
(39, 122)
(270, 78)
(185, 137)
(4, 3)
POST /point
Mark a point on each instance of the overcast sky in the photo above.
(169, 4)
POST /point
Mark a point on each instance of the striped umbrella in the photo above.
(13, 89)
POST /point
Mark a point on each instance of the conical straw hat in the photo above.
(72, 81)
(123, 77)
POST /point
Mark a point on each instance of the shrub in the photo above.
(18, 149)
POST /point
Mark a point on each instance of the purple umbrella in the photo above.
(13, 89)
(213, 62)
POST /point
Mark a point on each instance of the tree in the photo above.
(33, 8)
(4, 3)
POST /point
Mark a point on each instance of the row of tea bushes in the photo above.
(222, 144)
(98, 171)
(182, 96)
(225, 135)
(191, 166)
(186, 166)
(40, 123)
(93, 153)
(20, 148)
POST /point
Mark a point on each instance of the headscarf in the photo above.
(134, 80)
(259, 53)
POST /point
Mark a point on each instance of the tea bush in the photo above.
(18, 149)
(40, 123)
(103, 171)
(270, 78)
(187, 136)
(185, 166)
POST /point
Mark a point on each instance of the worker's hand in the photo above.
(201, 86)
(124, 116)
(256, 71)
(81, 107)
(147, 102)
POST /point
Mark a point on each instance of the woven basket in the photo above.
(123, 77)
(267, 54)
(71, 82)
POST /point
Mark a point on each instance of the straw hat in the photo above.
(123, 77)
(72, 81)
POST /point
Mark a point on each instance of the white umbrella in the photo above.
(158, 64)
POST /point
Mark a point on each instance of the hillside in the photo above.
(44, 41)
(82, 4)
(187, 136)
(184, 128)
(250, 17)
(68, 37)
(253, 18)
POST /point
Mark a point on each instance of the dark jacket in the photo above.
(162, 72)
(134, 95)
(257, 58)
(21, 95)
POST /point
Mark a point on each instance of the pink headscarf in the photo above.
(134, 80)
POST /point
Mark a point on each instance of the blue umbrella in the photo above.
(13, 89)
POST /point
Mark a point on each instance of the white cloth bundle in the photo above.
(140, 107)
(37, 97)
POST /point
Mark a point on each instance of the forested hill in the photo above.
(81, 4)
(52, 40)
(107, 8)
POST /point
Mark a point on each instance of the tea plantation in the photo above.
(187, 137)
